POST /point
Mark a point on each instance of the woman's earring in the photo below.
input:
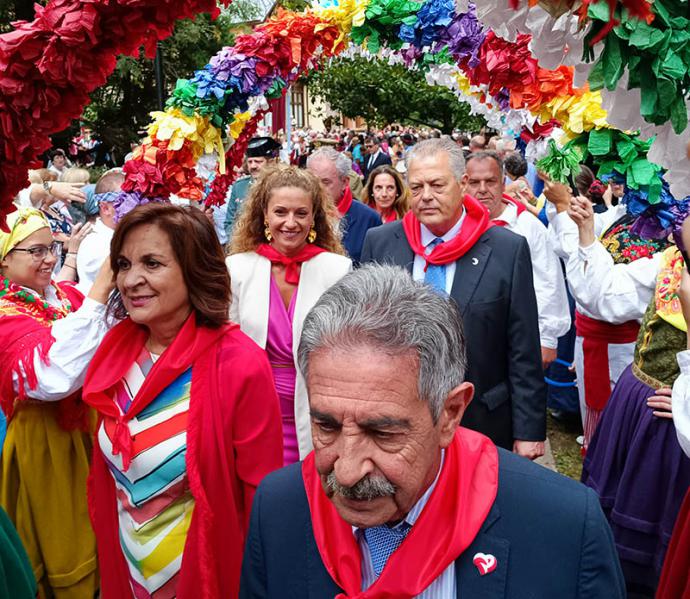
(312, 235)
(267, 233)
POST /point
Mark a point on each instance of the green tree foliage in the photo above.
(382, 94)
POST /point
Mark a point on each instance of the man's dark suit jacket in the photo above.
(547, 533)
(381, 158)
(494, 291)
(354, 225)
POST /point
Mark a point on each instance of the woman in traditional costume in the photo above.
(189, 421)
(284, 255)
(634, 461)
(48, 334)
(387, 193)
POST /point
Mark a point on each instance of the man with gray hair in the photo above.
(397, 500)
(447, 241)
(333, 169)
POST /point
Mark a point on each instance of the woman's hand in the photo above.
(104, 283)
(79, 233)
(583, 215)
(68, 192)
(661, 403)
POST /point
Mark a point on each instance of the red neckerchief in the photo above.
(291, 262)
(115, 356)
(345, 202)
(473, 227)
(507, 200)
(390, 217)
(458, 506)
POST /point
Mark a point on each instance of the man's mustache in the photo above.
(366, 489)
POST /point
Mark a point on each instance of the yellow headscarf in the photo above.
(21, 223)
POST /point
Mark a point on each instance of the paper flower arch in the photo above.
(217, 110)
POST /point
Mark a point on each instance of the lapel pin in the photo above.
(475, 261)
(485, 562)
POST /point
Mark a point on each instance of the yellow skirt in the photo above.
(43, 474)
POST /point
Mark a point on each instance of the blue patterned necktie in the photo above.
(435, 274)
(383, 541)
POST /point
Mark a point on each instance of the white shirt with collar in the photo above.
(549, 284)
(93, 252)
(444, 587)
(427, 237)
(372, 158)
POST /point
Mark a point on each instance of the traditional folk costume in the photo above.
(604, 344)
(258, 308)
(549, 285)
(46, 343)
(634, 461)
(183, 441)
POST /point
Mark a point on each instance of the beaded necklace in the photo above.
(30, 304)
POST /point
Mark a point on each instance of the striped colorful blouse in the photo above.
(154, 501)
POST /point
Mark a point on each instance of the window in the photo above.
(297, 105)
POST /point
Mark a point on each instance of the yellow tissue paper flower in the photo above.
(238, 123)
(175, 127)
(576, 114)
(345, 15)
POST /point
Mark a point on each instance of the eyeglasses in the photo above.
(39, 252)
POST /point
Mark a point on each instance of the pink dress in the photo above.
(279, 350)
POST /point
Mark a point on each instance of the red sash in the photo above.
(595, 347)
(291, 263)
(507, 200)
(473, 227)
(345, 202)
(450, 521)
(115, 356)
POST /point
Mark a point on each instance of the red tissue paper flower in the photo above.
(49, 66)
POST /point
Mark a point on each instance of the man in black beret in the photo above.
(260, 152)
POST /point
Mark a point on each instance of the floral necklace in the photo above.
(31, 304)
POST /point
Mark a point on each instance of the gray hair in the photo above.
(433, 147)
(382, 307)
(343, 164)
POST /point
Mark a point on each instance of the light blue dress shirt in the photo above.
(444, 587)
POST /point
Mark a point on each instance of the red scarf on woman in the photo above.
(291, 263)
(25, 327)
(122, 346)
(473, 227)
(450, 521)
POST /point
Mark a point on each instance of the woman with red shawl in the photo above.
(189, 422)
(48, 334)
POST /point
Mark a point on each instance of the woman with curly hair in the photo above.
(284, 255)
(387, 193)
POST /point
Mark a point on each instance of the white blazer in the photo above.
(250, 277)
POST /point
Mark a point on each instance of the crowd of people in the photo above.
(262, 399)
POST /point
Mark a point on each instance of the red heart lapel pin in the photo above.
(485, 562)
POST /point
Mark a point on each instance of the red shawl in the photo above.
(25, 328)
(234, 438)
(508, 200)
(457, 508)
(345, 202)
(473, 227)
(291, 263)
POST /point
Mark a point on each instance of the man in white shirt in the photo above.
(484, 180)
(94, 250)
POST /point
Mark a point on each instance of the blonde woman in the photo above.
(284, 255)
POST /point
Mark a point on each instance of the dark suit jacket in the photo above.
(381, 158)
(494, 291)
(547, 532)
(355, 224)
